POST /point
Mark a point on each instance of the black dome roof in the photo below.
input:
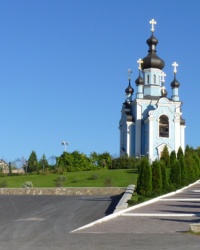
(129, 89)
(139, 81)
(175, 83)
(152, 60)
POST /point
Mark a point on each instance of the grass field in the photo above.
(99, 178)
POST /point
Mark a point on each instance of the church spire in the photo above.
(129, 90)
(152, 60)
(139, 81)
(175, 84)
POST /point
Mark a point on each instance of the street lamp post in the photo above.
(64, 143)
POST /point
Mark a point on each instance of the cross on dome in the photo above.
(139, 61)
(129, 73)
(152, 22)
(175, 65)
(163, 75)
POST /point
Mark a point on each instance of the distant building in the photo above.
(151, 120)
(3, 166)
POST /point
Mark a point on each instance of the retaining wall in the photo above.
(62, 191)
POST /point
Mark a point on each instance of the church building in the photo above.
(151, 120)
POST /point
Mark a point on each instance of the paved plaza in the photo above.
(162, 223)
(83, 222)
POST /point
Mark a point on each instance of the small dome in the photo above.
(139, 81)
(175, 83)
(152, 40)
(152, 60)
(129, 89)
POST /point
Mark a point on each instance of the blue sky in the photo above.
(63, 69)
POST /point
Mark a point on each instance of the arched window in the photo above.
(163, 126)
(154, 79)
(147, 79)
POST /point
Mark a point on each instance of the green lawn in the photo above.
(98, 178)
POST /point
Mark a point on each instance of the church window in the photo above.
(154, 79)
(163, 126)
(147, 79)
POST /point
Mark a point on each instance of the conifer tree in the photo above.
(164, 175)
(156, 176)
(144, 182)
(179, 153)
(182, 163)
(32, 162)
(172, 157)
(175, 174)
(165, 157)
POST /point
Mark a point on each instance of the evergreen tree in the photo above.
(172, 157)
(179, 153)
(164, 175)
(184, 180)
(144, 182)
(175, 174)
(156, 176)
(165, 157)
(32, 162)
(43, 163)
(190, 165)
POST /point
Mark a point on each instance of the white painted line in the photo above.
(180, 199)
(31, 219)
(112, 216)
(159, 215)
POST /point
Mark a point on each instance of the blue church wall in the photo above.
(163, 110)
(133, 140)
(146, 108)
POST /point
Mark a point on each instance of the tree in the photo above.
(105, 160)
(172, 157)
(43, 163)
(144, 182)
(179, 153)
(164, 175)
(175, 174)
(32, 162)
(182, 164)
(165, 157)
(156, 176)
(124, 162)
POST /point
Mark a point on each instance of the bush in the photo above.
(108, 182)
(27, 184)
(141, 199)
(75, 180)
(132, 202)
(94, 177)
(3, 184)
(60, 181)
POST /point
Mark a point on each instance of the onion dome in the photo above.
(139, 81)
(152, 60)
(129, 89)
(163, 92)
(175, 83)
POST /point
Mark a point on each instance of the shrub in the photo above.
(75, 180)
(3, 184)
(94, 177)
(27, 184)
(108, 182)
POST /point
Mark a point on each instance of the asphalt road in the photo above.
(48, 222)
(162, 224)
(45, 222)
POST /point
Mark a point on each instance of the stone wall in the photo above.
(62, 191)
